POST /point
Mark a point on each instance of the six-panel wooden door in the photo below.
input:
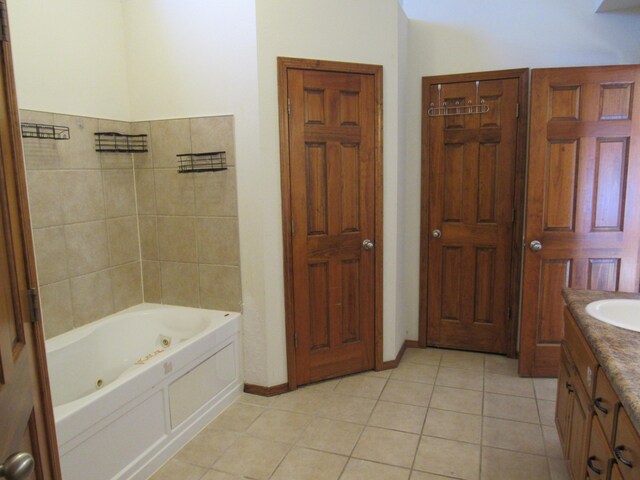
(582, 201)
(472, 166)
(332, 193)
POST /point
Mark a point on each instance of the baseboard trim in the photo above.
(389, 364)
(266, 391)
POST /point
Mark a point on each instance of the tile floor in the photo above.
(440, 415)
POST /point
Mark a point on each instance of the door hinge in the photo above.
(34, 305)
(295, 340)
(288, 106)
(517, 110)
(4, 22)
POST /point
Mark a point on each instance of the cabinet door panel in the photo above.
(579, 430)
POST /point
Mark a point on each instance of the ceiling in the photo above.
(614, 5)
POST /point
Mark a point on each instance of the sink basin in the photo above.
(622, 313)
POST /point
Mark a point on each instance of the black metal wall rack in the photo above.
(202, 162)
(120, 142)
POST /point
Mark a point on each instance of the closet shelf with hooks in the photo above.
(120, 142)
(49, 132)
(202, 162)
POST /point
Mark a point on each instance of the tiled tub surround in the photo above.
(617, 350)
(441, 415)
(95, 214)
(83, 213)
(188, 222)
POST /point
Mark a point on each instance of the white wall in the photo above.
(466, 36)
(363, 31)
(69, 57)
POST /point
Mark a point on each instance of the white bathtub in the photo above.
(131, 389)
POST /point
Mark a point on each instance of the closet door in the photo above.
(583, 220)
(470, 195)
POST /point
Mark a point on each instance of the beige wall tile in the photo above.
(148, 237)
(40, 154)
(180, 284)
(168, 139)
(145, 191)
(87, 249)
(126, 284)
(119, 193)
(57, 313)
(216, 193)
(45, 198)
(214, 134)
(91, 297)
(51, 254)
(174, 192)
(143, 160)
(79, 151)
(220, 287)
(82, 195)
(218, 241)
(176, 239)
(151, 282)
(123, 240)
(34, 116)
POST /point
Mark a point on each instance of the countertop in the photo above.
(617, 349)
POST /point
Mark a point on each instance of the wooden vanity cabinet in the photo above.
(596, 434)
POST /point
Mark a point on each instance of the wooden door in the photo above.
(582, 200)
(471, 204)
(331, 162)
(26, 414)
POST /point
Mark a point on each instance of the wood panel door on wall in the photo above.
(472, 164)
(582, 200)
(26, 415)
(331, 143)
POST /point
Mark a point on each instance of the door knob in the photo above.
(367, 244)
(17, 466)
(535, 246)
(436, 233)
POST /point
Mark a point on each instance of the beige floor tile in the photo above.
(364, 470)
(347, 408)
(415, 372)
(453, 426)
(416, 475)
(552, 442)
(176, 469)
(546, 388)
(310, 465)
(331, 436)
(397, 416)
(215, 475)
(207, 447)
(252, 457)
(510, 435)
(380, 374)
(237, 418)
(448, 457)
(508, 385)
(326, 385)
(457, 400)
(547, 411)
(522, 409)
(258, 400)
(505, 465)
(410, 393)
(280, 426)
(501, 365)
(423, 356)
(466, 360)
(361, 386)
(558, 469)
(460, 378)
(302, 401)
(386, 446)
